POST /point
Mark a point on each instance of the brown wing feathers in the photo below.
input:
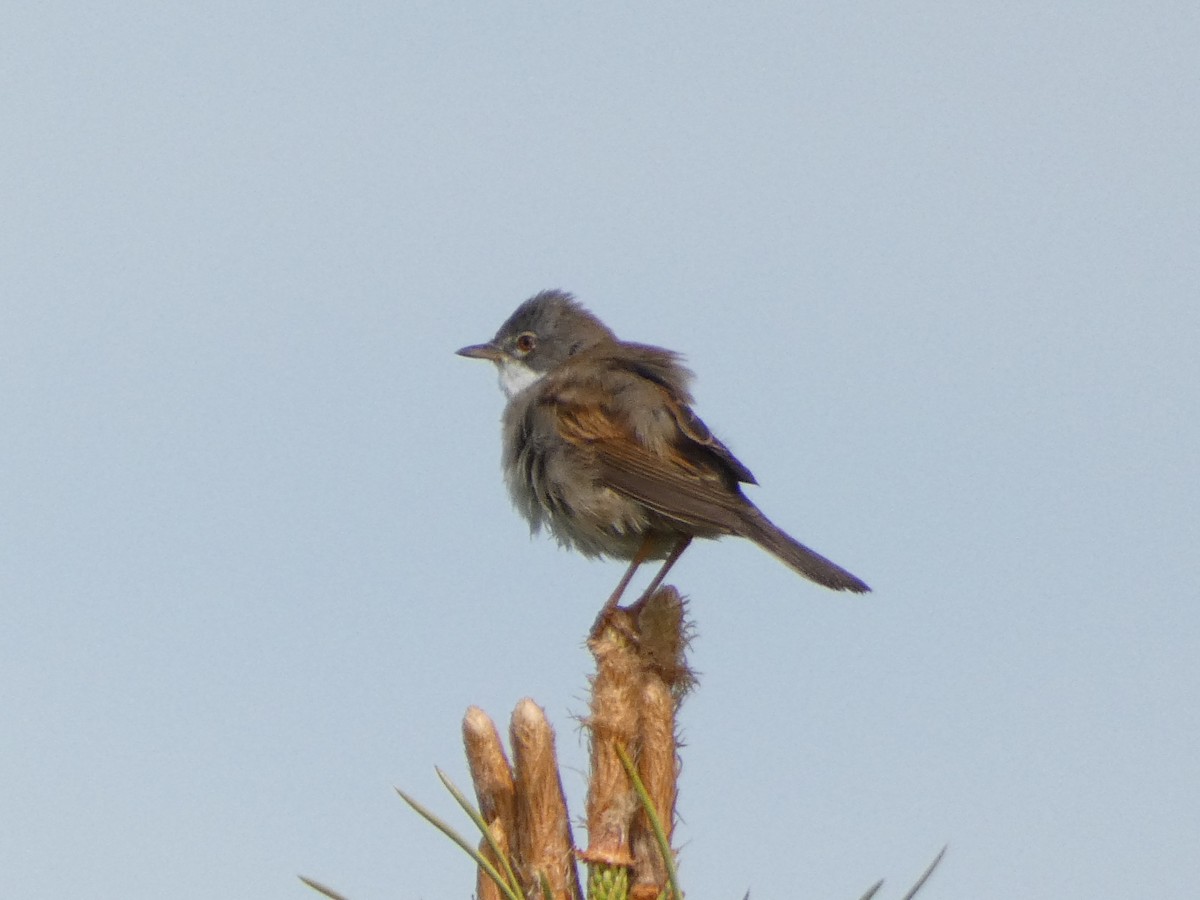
(651, 447)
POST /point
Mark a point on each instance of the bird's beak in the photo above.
(482, 351)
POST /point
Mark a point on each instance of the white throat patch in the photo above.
(516, 376)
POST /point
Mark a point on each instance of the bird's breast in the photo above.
(557, 485)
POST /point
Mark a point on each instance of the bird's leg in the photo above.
(615, 597)
(638, 558)
(676, 552)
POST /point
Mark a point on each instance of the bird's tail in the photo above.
(808, 563)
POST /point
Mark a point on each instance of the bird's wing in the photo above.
(649, 445)
(665, 369)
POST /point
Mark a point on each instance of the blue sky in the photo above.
(934, 264)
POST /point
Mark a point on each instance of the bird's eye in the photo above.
(526, 341)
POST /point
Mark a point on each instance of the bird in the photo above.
(601, 447)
